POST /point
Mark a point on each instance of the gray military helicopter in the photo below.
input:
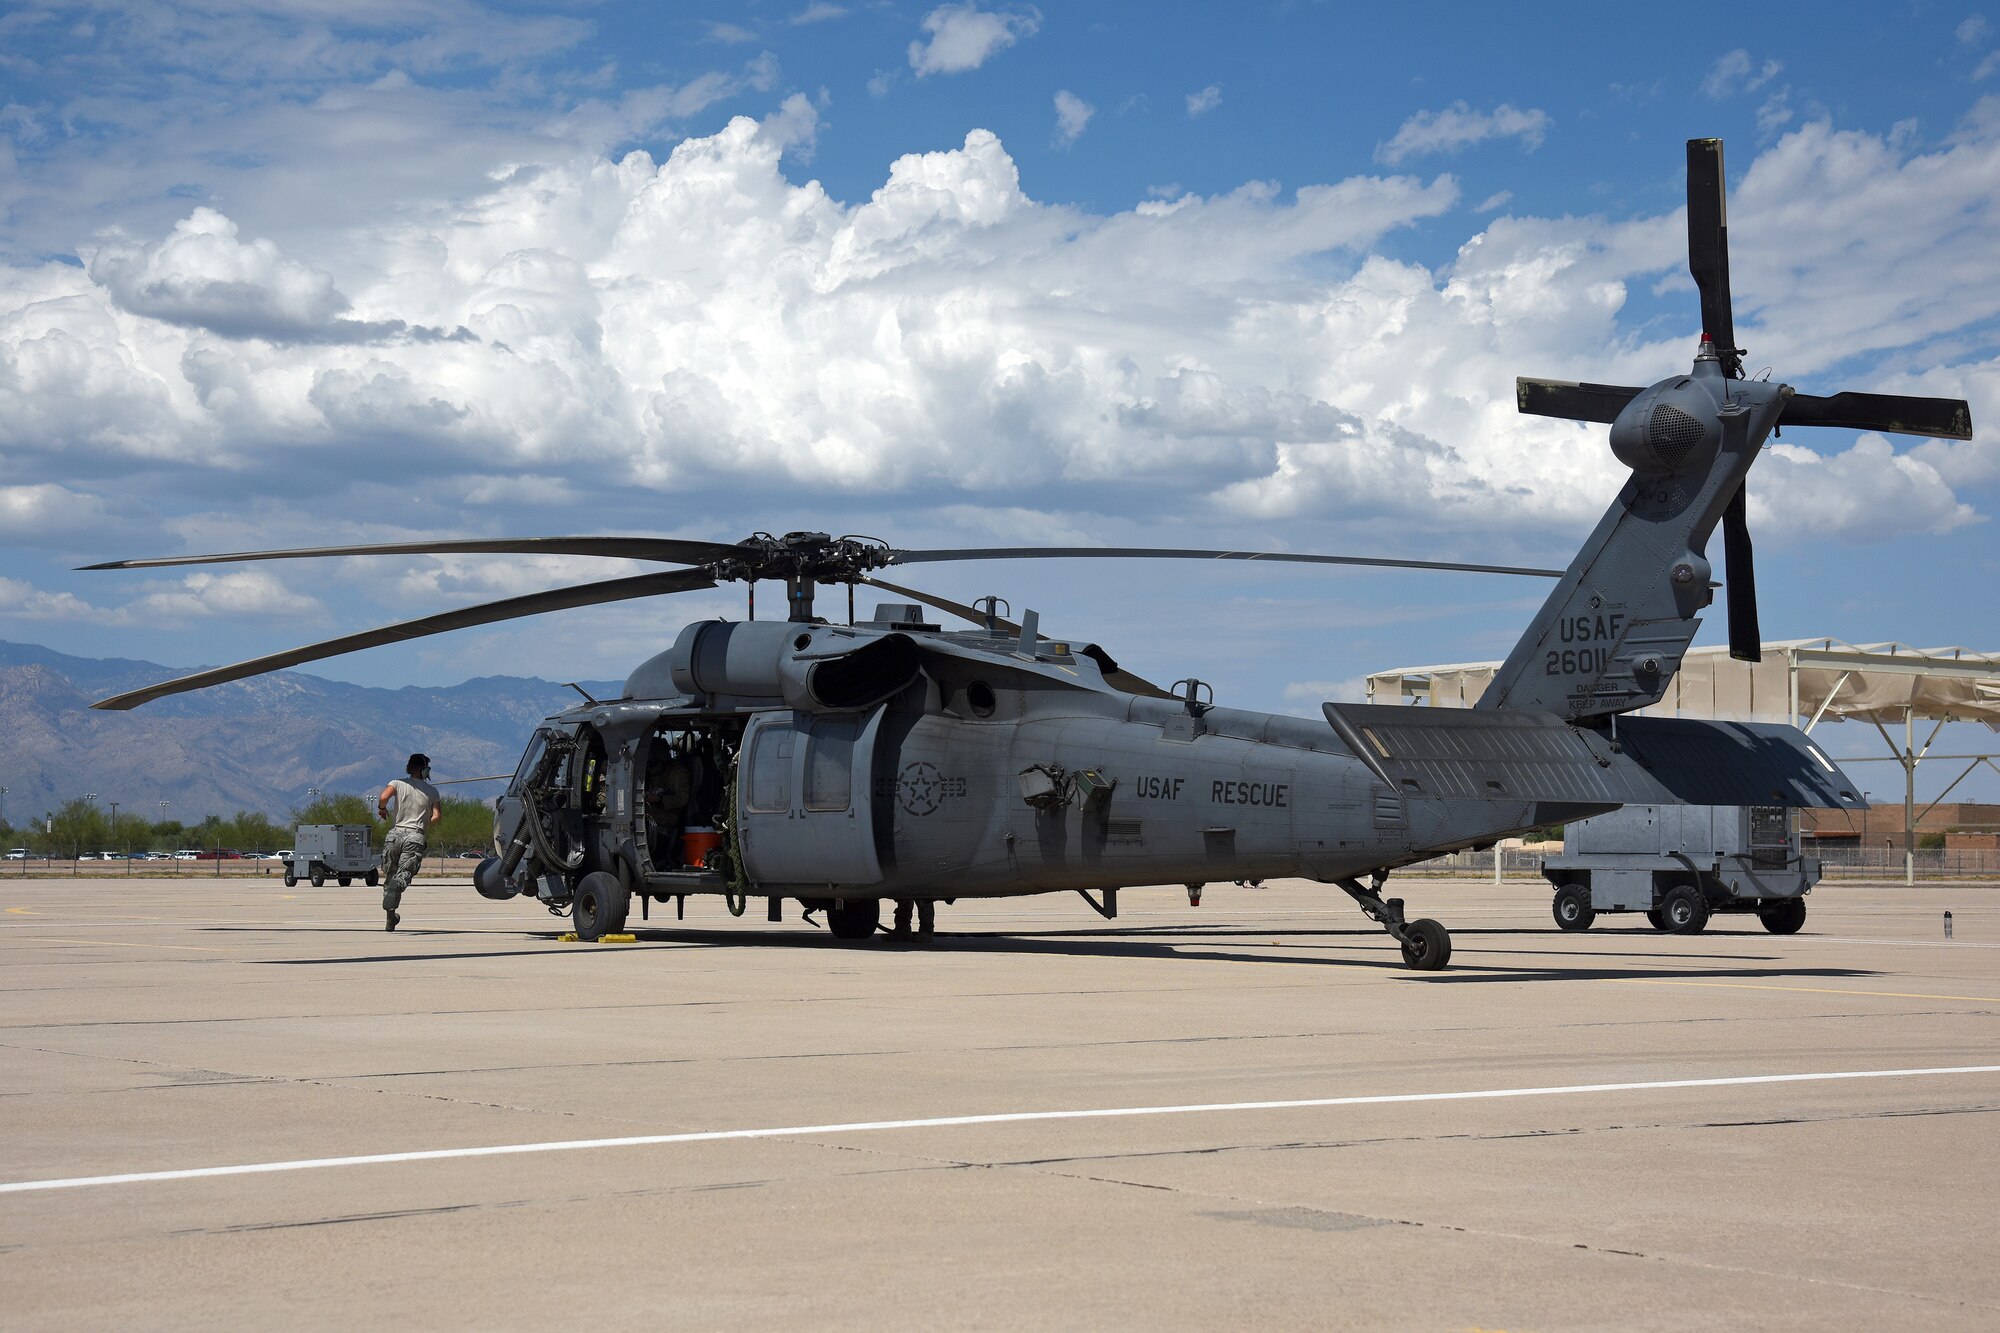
(888, 758)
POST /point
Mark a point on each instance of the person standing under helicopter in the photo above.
(418, 806)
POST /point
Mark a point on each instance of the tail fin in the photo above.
(1611, 636)
(1613, 631)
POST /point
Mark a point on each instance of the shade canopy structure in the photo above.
(1801, 681)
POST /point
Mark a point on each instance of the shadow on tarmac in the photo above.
(1137, 943)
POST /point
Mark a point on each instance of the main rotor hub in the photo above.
(813, 557)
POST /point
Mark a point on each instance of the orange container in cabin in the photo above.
(697, 844)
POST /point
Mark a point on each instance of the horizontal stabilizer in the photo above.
(1507, 755)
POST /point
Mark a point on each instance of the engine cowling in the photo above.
(811, 667)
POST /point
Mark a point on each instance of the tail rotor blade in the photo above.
(1940, 418)
(1708, 249)
(1570, 400)
(1746, 643)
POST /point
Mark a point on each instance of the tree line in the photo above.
(83, 825)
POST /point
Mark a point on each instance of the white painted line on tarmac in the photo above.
(958, 1121)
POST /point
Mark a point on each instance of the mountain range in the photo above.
(256, 744)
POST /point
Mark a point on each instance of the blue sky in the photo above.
(302, 271)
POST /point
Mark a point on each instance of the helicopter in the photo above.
(839, 765)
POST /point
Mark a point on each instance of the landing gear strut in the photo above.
(1426, 944)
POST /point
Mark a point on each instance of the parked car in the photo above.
(17, 853)
(187, 854)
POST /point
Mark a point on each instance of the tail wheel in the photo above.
(1429, 946)
(1783, 917)
(601, 903)
(1684, 910)
(1572, 908)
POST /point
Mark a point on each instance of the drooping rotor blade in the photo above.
(1746, 643)
(1570, 400)
(1117, 677)
(1942, 418)
(1708, 249)
(512, 608)
(1175, 553)
(666, 549)
(945, 604)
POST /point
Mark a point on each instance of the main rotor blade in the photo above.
(1571, 400)
(945, 604)
(1746, 643)
(1942, 418)
(1175, 553)
(665, 549)
(512, 608)
(1117, 677)
(1708, 249)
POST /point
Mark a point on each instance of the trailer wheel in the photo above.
(1783, 917)
(854, 918)
(1572, 908)
(1684, 910)
(343, 880)
(371, 879)
(291, 879)
(1653, 915)
(1429, 946)
(318, 876)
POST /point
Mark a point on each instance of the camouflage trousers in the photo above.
(402, 853)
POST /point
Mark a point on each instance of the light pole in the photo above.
(90, 796)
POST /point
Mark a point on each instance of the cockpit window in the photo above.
(530, 757)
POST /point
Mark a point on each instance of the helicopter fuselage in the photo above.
(988, 767)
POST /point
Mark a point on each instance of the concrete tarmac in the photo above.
(154, 1027)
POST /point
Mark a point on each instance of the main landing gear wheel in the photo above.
(1684, 910)
(1783, 917)
(601, 903)
(1572, 908)
(1429, 947)
(854, 918)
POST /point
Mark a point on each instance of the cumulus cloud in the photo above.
(1798, 492)
(1204, 101)
(244, 594)
(20, 600)
(702, 339)
(1458, 126)
(964, 36)
(201, 275)
(1734, 72)
(240, 594)
(1072, 114)
(30, 515)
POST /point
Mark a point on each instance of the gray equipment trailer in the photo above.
(332, 851)
(1681, 863)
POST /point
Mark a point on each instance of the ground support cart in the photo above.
(1680, 864)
